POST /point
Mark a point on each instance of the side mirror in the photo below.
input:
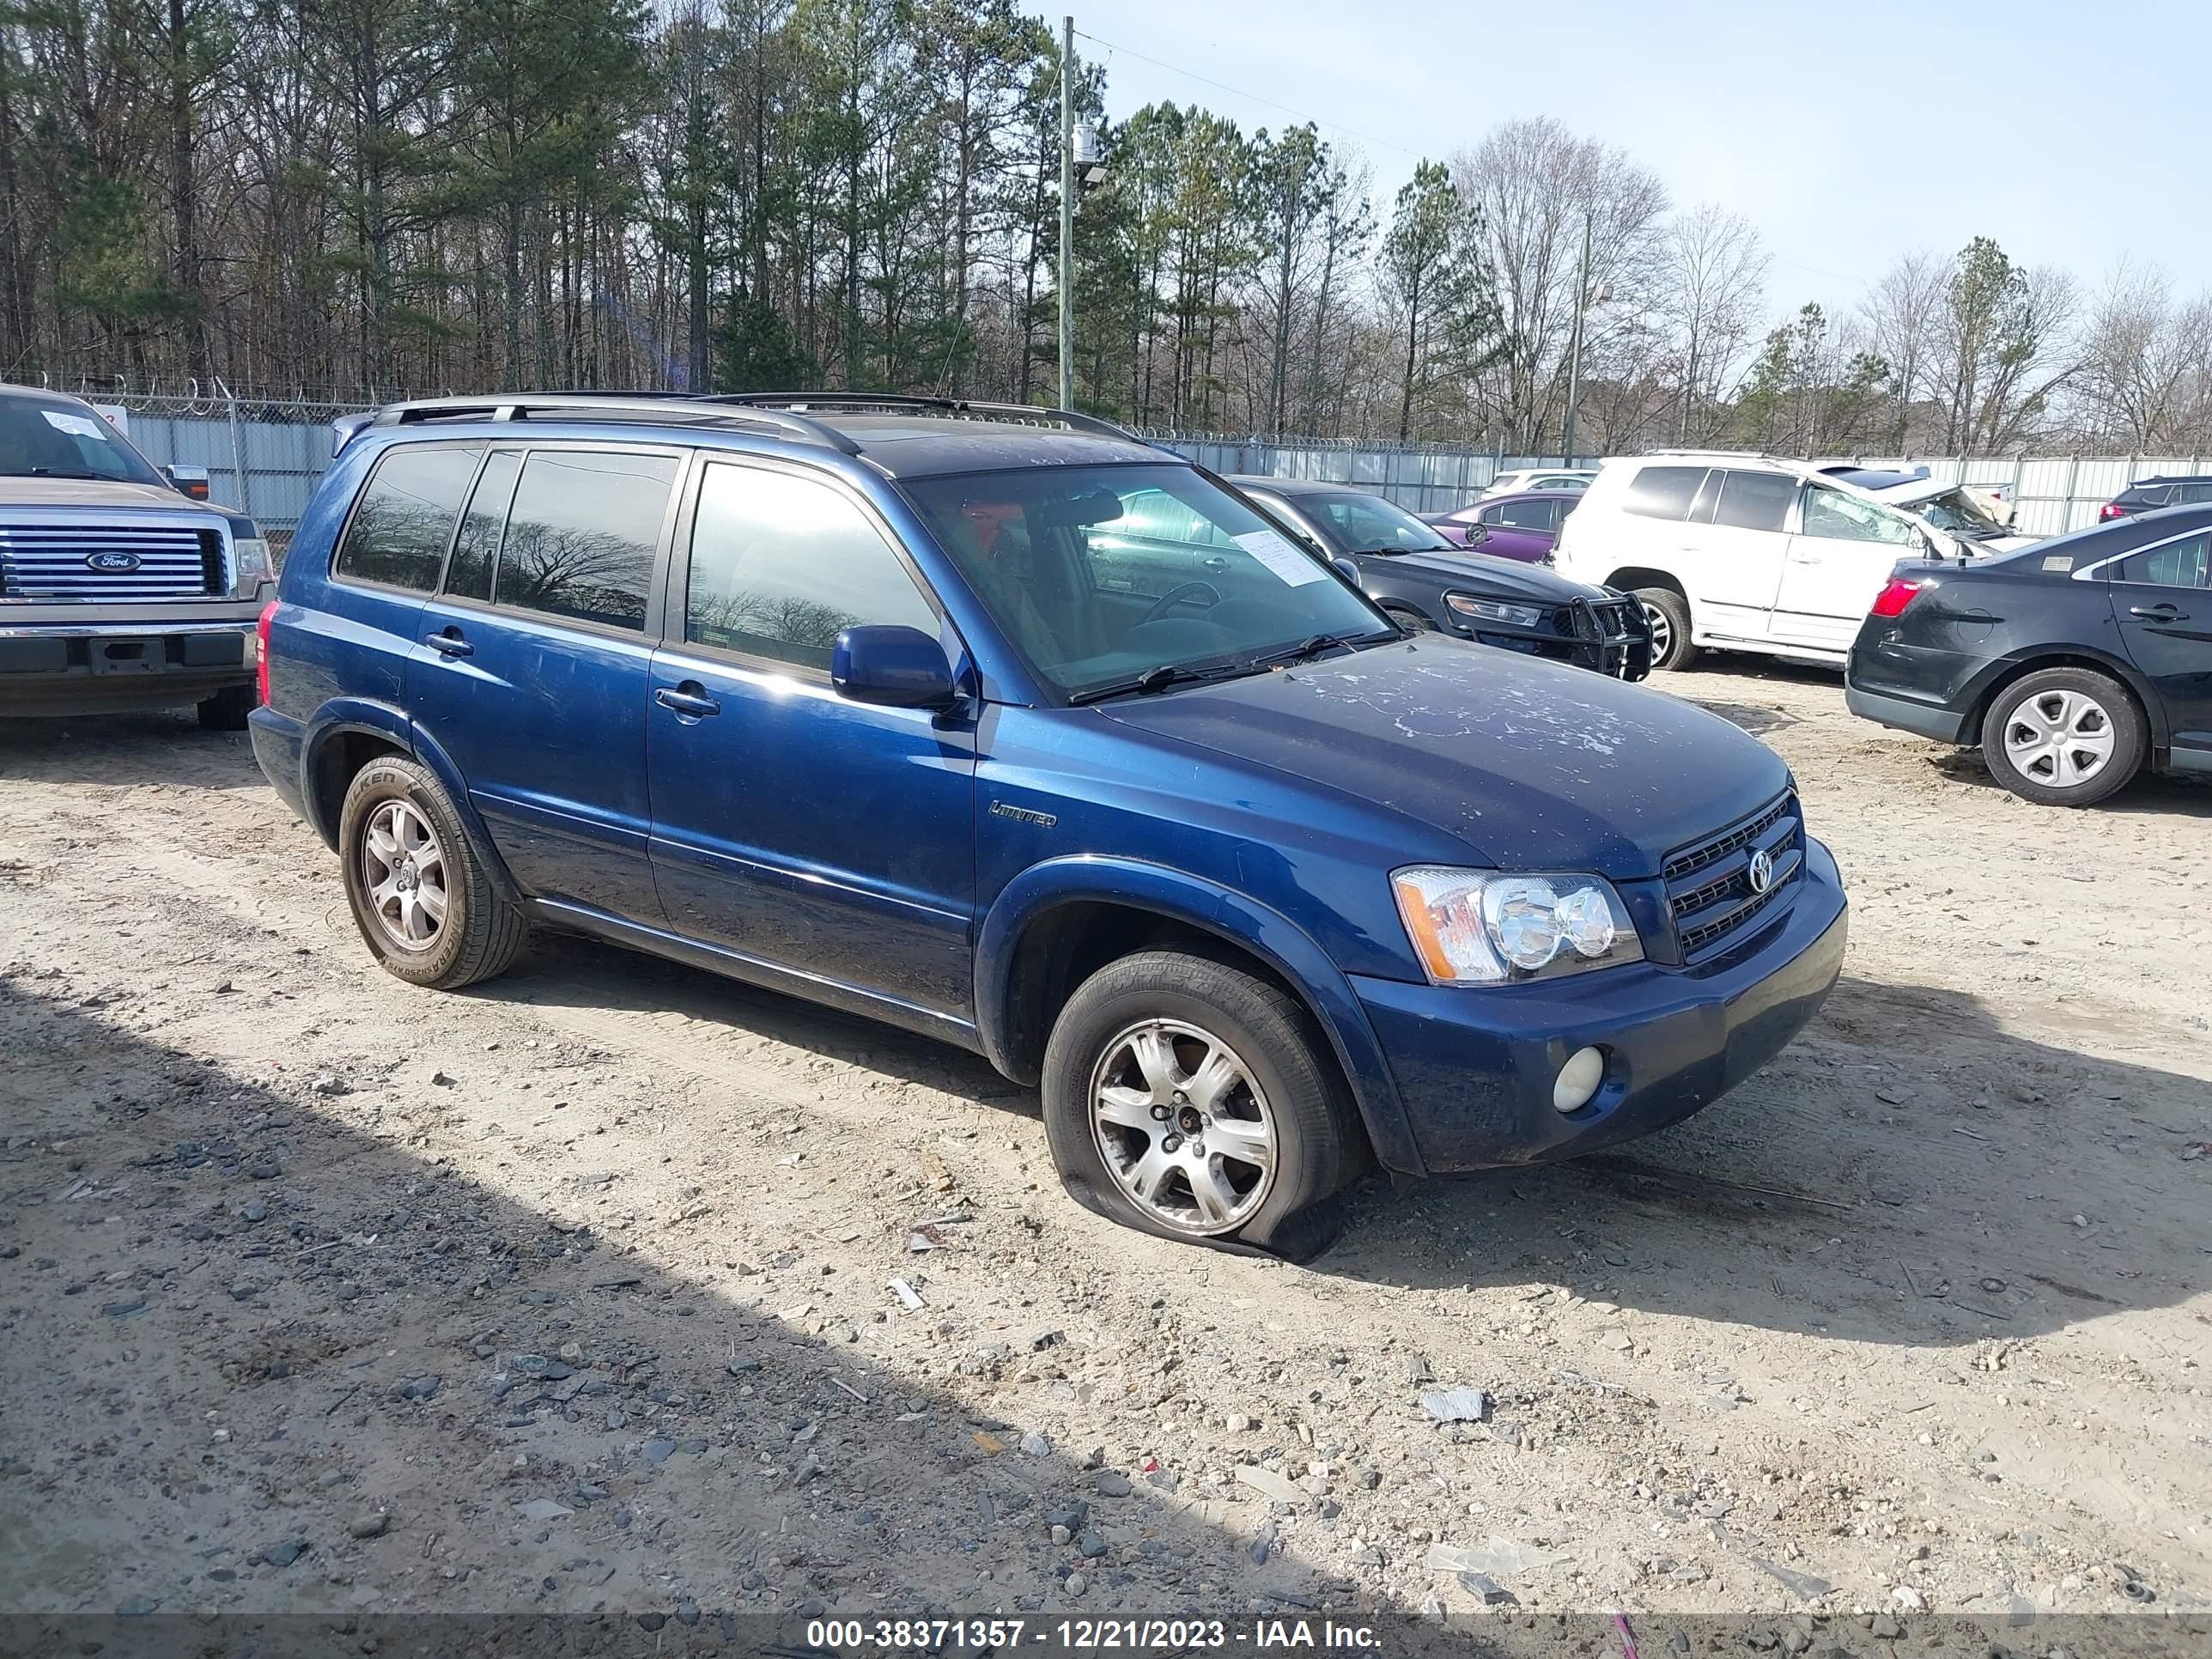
(1346, 568)
(191, 481)
(895, 666)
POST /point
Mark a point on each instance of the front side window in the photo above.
(53, 438)
(1754, 501)
(1045, 553)
(399, 531)
(779, 564)
(1664, 492)
(1832, 515)
(2177, 564)
(582, 534)
(1360, 523)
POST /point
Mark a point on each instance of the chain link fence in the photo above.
(264, 454)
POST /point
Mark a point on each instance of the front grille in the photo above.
(1709, 889)
(51, 561)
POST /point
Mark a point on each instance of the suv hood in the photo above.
(95, 492)
(1493, 578)
(1534, 765)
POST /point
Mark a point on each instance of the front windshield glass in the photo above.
(49, 437)
(1103, 574)
(1359, 523)
(1957, 513)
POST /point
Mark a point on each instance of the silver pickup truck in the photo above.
(118, 590)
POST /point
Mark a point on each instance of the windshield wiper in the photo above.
(1307, 649)
(49, 472)
(1161, 676)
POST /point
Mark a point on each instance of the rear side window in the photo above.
(1528, 516)
(2192, 492)
(1754, 501)
(1664, 492)
(399, 531)
(2177, 564)
(582, 534)
(476, 548)
(781, 563)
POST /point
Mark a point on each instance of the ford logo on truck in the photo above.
(113, 564)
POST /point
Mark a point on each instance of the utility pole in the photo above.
(1574, 350)
(1067, 213)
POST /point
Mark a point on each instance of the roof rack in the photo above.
(674, 407)
(898, 402)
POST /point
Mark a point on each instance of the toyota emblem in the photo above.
(1762, 871)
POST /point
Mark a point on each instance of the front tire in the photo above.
(227, 710)
(1192, 1100)
(2063, 737)
(423, 895)
(1668, 613)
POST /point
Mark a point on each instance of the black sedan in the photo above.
(1425, 582)
(2074, 663)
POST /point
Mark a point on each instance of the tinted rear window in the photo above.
(1754, 501)
(583, 533)
(1664, 492)
(399, 531)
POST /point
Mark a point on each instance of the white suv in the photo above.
(1741, 551)
(1538, 477)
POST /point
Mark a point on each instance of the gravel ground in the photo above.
(576, 1292)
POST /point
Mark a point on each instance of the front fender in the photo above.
(1228, 915)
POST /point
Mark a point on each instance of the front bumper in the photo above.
(1474, 1069)
(112, 667)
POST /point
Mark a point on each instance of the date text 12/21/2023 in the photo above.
(1082, 1635)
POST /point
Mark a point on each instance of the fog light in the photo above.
(1578, 1079)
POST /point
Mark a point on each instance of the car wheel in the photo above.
(227, 710)
(1192, 1100)
(423, 895)
(2063, 737)
(1668, 613)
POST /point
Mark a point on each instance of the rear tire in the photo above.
(1668, 613)
(423, 895)
(1160, 1053)
(227, 710)
(2063, 737)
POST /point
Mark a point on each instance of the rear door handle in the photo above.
(2157, 613)
(449, 643)
(689, 698)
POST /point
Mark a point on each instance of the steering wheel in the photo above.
(1181, 593)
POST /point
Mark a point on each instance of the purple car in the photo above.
(1522, 527)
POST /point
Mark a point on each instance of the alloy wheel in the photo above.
(1663, 633)
(403, 870)
(1183, 1126)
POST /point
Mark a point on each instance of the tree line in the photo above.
(364, 199)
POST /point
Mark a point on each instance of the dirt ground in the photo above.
(321, 1293)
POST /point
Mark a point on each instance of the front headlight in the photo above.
(250, 566)
(1488, 927)
(1513, 616)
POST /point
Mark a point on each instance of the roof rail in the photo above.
(952, 409)
(676, 408)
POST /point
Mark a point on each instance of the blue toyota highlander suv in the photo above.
(1001, 725)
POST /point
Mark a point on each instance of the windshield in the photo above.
(1955, 511)
(1355, 522)
(1103, 574)
(51, 438)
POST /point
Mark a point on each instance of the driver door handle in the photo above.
(689, 698)
(2157, 613)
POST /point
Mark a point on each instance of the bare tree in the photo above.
(2145, 361)
(1713, 292)
(1532, 181)
(1898, 318)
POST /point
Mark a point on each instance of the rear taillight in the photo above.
(261, 649)
(1891, 600)
(2112, 510)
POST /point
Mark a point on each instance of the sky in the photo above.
(1849, 133)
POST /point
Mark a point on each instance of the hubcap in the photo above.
(1663, 633)
(1184, 1129)
(404, 869)
(2059, 738)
